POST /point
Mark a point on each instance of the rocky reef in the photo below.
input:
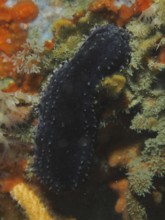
(127, 167)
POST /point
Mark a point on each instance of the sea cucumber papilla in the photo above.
(68, 116)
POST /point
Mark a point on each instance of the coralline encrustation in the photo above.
(68, 112)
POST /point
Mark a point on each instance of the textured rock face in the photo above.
(68, 116)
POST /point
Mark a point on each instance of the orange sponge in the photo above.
(25, 11)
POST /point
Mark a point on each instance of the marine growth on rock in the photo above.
(68, 112)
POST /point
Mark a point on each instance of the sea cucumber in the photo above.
(68, 111)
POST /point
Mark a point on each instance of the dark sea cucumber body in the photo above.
(68, 116)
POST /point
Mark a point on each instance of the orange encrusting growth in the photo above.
(28, 83)
(25, 11)
(121, 187)
(121, 15)
(8, 183)
(5, 14)
(161, 56)
(49, 44)
(13, 33)
(11, 38)
(15, 176)
(2, 2)
(123, 156)
(142, 5)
